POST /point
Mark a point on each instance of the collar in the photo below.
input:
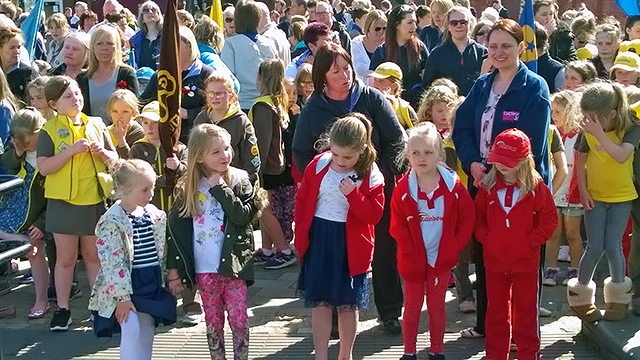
(195, 69)
(518, 82)
(500, 184)
(447, 180)
(252, 36)
(300, 59)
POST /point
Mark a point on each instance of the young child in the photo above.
(437, 106)
(211, 236)
(122, 107)
(270, 118)
(73, 149)
(515, 215)
(129, 293)
(223, 110)
(338, 203)
(304, 83)
(605, 181)
(626, 69)
(388, 79)
(23, 211)
(566, 114)
(287, 136)
(148, 149)
(37, 98)
(432, 220)
(578, 73)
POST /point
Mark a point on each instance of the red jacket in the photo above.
(365, 210)
(457, 226)
(511, 242)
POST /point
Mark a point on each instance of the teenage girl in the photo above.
(211, 236)
(566, 114)
(339, 202)
(432, 220)
(129, 293)
(513, 203)
(37, 98)
(72, 149)
(270, 117)
(23, 211)
(122, 107)
(605, 182)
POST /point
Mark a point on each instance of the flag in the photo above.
(30, 27)
(527, 22)
(630, 7)
(169, 81)
(216, 13)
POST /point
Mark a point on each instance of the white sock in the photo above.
(286, 251)
(267, 252)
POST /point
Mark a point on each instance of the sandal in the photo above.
(471, 333)
(38, 313)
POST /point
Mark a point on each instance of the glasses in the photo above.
(306, 83)
(148, 10)
(217, 94)
(458, 22)
(380, 28)
(228, 20)
(481, 33)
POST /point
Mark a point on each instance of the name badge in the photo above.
(510, 116)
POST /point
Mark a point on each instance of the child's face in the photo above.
(121, 112)
(384, 85)
(142, 192)
(306, 87)
(29, 143)
(507, 172)
(218, 156)
(71, 101)
(626, 77)
(150, 128)
(217, 95)
(37, 100)
(292, 94)
(344, 158)
(423, 155)
(572, 79)
(441, 115)
(557, 114)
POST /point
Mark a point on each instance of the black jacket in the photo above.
(345, 38)
(125, 73)
(561, 44)
(462, 68)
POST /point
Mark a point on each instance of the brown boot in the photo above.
(582, 300)
(617, 296)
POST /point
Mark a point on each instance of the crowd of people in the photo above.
(383, 146)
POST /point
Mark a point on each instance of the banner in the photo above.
(216, 13)
(30, 27)
(527, 22)
(630, 7)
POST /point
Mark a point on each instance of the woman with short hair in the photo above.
(75, 55)
(18, 73)
(210, 42)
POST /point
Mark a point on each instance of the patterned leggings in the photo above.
(282, 201)
(220, 293)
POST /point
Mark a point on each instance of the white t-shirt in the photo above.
(501, 195)
(332, 205)
(431, 222)
(208, 232)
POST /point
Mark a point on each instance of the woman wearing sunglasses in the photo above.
(363, 46)
(458, 57)
(145, 43)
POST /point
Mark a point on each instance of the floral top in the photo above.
(115, 251)
(208, 232)
(486, 130)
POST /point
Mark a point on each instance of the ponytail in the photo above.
(626, 116)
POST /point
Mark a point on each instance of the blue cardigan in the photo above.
(462, 68)
(526, 100)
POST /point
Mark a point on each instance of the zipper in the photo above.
(73, 140)
(183, 258)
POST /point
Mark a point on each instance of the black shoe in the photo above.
(61, 320)
(409, 357)
(75, 292)
(392, 327)
(433, 356)
(51, 293)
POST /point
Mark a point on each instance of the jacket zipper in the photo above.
(73, 140)
(181, 255)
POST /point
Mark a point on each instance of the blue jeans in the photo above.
(605, 225)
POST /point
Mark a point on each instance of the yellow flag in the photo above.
(216, 13)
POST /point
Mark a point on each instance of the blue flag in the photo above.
(630, 7)
(527, 22)
(30, 27)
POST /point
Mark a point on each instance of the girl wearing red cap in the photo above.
(515, 215)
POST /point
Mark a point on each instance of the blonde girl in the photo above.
(37, 99)
(270, 117)
(129, 292)
(338, 203)
(437, 106)
(122, 108)
(73, 149)
(222, 109)
(294, 111)
(607, 42)
(513, 202)
(304, 83)
(22, 214)
(211, 236)
(605, 181)
(566, 115)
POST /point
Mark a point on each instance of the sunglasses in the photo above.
(148, 10)
(380, 28)
(228, 20)
(458, 22)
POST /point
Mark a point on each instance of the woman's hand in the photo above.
(478, 171)
(122, 311)
(551, 26)
(183, 113)
(586, 200)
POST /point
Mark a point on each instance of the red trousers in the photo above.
(515, 293)
(414, 293)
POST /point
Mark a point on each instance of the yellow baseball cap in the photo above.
(632, 46)
(584, 53)
(151, 111)
(626, 61)
(387, 69)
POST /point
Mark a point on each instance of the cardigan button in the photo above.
(177, 257)
(228, 236)
(223, 260)
(239, 236)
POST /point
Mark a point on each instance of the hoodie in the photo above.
(210, 58)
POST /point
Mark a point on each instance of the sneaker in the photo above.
(571, 273)
(61, 320)
(544, 312)
(259, 257)
(280, 260)
(433, 356)
(51, 293)
(27, 278)
(563, 253)
(550, 276)
(192, 318)
(409, 357)
(467, 306)
(75, 292)
(392, 327)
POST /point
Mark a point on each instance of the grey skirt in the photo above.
(69, 219)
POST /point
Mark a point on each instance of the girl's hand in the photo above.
(183, 113)
(586, 200)
(294, 109)
(79, 146)
(96, 148)
(214, 179)
(35, 233)
(122, 311)
(346, 186)
(120, 130)
(173, 162)
(175, 286)
(17, 146)
(478, 171)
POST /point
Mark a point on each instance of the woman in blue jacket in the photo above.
(511, 96)
(145, 43)
(458, 58)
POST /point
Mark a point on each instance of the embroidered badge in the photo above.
(253, 139)
(254, 150)
(255, 162)
(202, 197)
(62, 132)
(510, 116)
(63, 145)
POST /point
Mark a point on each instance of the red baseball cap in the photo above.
(509, 148)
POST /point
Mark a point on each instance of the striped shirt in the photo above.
(145, 252)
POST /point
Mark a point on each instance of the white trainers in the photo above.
(192, 318)
(544, 312)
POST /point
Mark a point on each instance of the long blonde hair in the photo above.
(100, 33)
(438, 93)
(570, 101)
(526, 174)
(601, 98)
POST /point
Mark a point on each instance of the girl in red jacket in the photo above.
(515, 215)
(432, 220)
(339, 202)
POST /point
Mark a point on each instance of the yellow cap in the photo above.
(626, 61)
(387, 69)
(632, 46)
(150, 111)
(584, 53)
